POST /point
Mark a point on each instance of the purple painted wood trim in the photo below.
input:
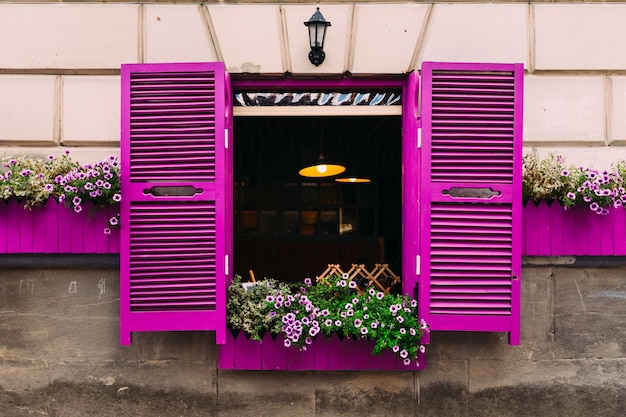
(4, 226)
(556, 230)
(410, 185)
(13, 226)
(516, 290)
(619, 232)
(26, 230)
(324, 354)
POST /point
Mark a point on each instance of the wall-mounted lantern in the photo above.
(317, 32)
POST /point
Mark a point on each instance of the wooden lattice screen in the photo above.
(381, 276)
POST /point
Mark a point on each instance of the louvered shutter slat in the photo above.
(175, 242)
(471, 130)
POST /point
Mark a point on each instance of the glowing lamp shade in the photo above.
(353, 180)
(321, 170)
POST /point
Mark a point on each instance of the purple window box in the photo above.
(333, 354)
(53, 228)
(549, 230)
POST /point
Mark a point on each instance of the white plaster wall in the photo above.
(59, 62)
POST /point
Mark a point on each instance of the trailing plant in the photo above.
(552, 179)
(303, 311)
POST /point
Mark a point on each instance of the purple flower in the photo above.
(328, 323)
(337, 323)
(371, 292)
(571, 196)
(422, 348)
(308, 340)
(395, 349)
(287, 343)
(272, 314)
(357, 323)
(364, 330)
(107, 231)
(403, 331)
(26, 172)
(78, 209)
(565, 173)
(400, 319)
(594, 206)
(413, 303)
(113, 221)
(406, 362)
(50, 157)
(374, 325)
(404, 353)
(307, 282)
(49, 187)
(348, 306)
(352, 284)
(380, 295)
(412, 331)
(61, 198)
(76, 201)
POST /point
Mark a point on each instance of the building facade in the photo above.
(61, 89)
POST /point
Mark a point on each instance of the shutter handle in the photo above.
(173, 191)
(472, 192)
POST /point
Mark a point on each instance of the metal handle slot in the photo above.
(466, 192)
(173, 191)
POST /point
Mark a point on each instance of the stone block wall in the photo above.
(59, 71)
(59, 355)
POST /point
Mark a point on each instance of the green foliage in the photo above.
(32, 179)
(303, 311)
(552, 180)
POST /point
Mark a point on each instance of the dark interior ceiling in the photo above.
(369, 144)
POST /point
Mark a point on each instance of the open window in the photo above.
(453, 156)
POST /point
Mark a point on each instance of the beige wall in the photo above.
(59, 71)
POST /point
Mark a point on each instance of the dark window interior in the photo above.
(290, 227)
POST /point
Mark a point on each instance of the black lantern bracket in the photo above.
(317, 33)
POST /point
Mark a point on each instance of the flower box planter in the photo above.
(333, 354)
(549, 230)
(53, 228)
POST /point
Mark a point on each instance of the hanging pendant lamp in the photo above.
(322, 169)
(353, 179)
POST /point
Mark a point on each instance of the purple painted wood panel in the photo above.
(53, 228)
(471, 240)
(4, 232)
(324, 354)
(556, 230)
(25, 230)
(577, 231)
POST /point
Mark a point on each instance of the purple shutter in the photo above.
(471, 197)
(176, 207)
